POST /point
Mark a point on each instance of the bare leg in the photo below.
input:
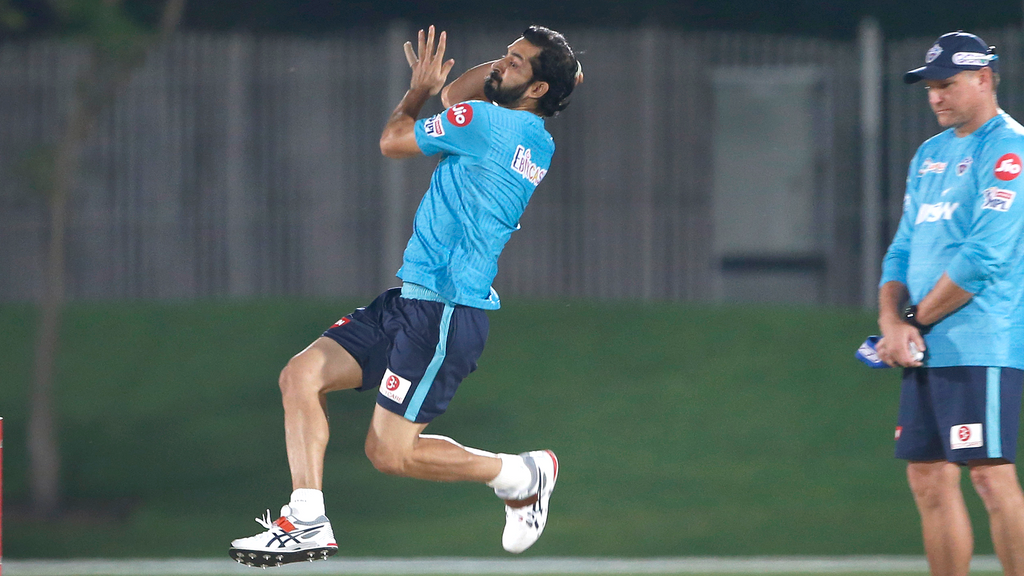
(997, 484)
(320, 368)
(395, 446)
(948, 539)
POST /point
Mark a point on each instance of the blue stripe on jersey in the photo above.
(993, 424)
(435, 364)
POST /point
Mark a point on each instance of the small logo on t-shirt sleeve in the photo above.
(433, 126)
(460, 114)
(998, 199)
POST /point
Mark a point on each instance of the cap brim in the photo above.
(930, 73)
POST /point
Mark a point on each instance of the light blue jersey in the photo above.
(493, 159)
(961, 216)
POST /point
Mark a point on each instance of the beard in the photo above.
(503, 95)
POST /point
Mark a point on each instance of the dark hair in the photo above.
(555, 64)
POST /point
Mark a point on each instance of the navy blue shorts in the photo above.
(959, 413)
(415, 352)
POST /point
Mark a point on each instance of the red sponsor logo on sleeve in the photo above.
(1008, 166)
(462, 114)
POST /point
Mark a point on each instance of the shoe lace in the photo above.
(267, 522)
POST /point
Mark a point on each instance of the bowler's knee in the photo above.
(385, 457)
(301, 376)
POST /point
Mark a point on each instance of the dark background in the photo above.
(836, 19)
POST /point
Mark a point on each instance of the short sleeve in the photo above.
(463, 130)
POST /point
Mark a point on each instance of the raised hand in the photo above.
(429, 69)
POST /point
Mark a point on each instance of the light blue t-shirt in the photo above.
(961, 216)
(493, 159)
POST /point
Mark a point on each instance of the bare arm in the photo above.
(429, 73)
(469, 86)
(943, 299)
(399, 137)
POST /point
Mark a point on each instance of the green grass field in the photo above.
(588, 574)
(613, 574)
(683, 430)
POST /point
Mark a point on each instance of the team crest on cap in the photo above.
(932, 53)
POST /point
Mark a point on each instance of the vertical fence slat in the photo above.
(237, 166)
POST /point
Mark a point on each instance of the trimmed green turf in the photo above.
(682, 430)
(976, 572)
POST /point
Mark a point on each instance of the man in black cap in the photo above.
(951, 309)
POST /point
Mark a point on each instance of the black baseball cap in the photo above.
(953, 53)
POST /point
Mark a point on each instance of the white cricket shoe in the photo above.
(524, 525)
(286, 540)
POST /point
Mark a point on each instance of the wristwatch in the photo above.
(910, 317)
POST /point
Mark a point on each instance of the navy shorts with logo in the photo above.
(414, 350)
(959, 413)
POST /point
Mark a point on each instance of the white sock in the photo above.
(307, 504)
(515, 478)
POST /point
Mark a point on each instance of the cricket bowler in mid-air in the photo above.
(416, 343)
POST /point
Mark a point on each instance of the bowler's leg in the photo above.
(322, 367)
(303, 532)
(525, 481)
(395, 446)
(948, 539)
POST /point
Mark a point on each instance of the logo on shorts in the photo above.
(965, 436)
(1008, 166)
(394, 387)
(460, 114)
(342, 322)
(433, 126)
